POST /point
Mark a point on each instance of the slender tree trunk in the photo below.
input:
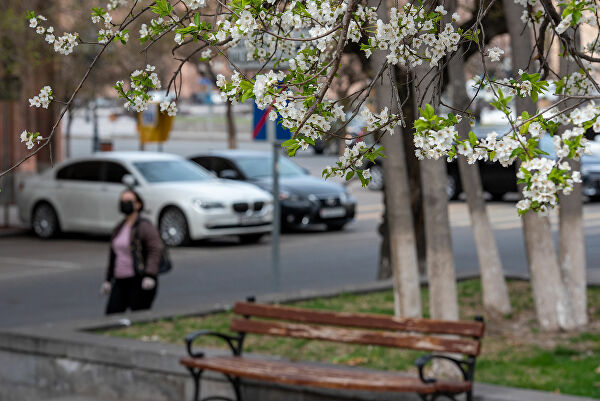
(495, 292)
(231, 139)
(440, 262)
(571, 244)
(403, 253)
(68, 133)
(551, 301)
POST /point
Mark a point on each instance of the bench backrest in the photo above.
(359, 328)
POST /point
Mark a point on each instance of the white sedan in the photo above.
(182, 199)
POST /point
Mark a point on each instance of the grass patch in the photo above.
(515, 352)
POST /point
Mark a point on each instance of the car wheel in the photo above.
(377, 182)
(335, 226)
(44, 221)
(452, 187)
(251, 238)
(173, 227)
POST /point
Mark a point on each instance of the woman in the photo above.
(135, 250)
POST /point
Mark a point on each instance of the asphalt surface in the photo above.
(58, 280)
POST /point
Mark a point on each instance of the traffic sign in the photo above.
(260, 131)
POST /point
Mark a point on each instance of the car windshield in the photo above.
(171, 171)
(257, 167)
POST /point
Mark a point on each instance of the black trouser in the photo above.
(127, 293)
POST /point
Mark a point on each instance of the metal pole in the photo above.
(276, 274)
(96, 138)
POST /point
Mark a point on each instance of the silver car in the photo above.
(182, 199)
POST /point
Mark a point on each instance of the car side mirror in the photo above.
(129, 181)
(229, 174)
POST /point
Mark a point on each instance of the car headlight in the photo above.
(208, 204)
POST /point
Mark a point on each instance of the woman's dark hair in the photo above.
(138, 198)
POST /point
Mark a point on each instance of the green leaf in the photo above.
(428, 112)
(289, 142)
(472, 139)
(349, 175)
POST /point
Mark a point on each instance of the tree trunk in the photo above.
(403, 254)
(68, 132)
(440, 262)
(551, 302)
(231, 139)
(571, 243)
(495, 292)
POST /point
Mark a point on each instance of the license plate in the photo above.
(332, 212)
(250, 220)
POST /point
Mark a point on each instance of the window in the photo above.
(219, 165)
(257, 167)
(114, 172)
(171, 171)
(65, 173)
(82, 171)
(204, 162)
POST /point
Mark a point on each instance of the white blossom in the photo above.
(494, 53)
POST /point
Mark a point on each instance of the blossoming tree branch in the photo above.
(303, 43)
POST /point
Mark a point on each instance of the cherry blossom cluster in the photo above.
(62, 44)
(494, 53)
(43, 99)
(169, 107)
(141, 82)
(352, 162)
(543, 175)
(412, 36)
(31, 138)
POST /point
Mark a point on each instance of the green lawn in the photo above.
(515, 352)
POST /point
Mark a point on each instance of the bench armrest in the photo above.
(232, 342)
(461, 364)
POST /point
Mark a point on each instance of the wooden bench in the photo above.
(448, 337)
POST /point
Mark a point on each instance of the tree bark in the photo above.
(402, 243)
(571, 243)
(440, 262)
(551, 301)
(231, 138)
(495, 292)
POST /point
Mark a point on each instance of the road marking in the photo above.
(60, 264)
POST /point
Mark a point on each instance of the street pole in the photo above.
(276, 274)
(96, 137)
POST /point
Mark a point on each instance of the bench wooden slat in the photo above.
(321, 376)
(363, 320)
(358, 336)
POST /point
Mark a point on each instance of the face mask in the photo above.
(126, 207)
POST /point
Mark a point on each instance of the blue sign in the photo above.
(260, 121)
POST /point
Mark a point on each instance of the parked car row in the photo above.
(184, 200)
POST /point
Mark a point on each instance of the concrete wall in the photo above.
(45, 363)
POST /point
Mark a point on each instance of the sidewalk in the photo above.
(483, 392)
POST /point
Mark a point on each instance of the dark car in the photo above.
(304, 199)
(498, 180)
